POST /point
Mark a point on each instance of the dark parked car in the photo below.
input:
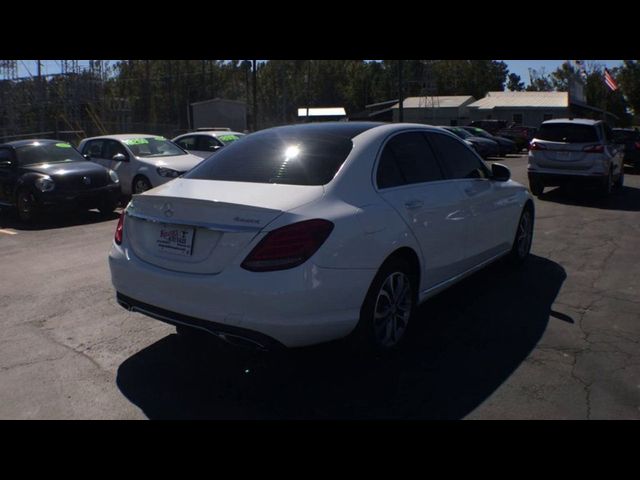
(491, 126)
(520, 134)
(630, 138)
(38, 175)
(484, 146)
(506, 145)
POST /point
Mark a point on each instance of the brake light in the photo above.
(594, 149)
(637, 145)
(119, 228)
(536, 146)
(288, 246)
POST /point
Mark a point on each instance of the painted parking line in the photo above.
(8, 232)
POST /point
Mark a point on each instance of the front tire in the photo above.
(27, 206)
(388, 307)
(140, 184)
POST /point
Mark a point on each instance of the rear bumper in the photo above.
(555, 179)
(302, 306)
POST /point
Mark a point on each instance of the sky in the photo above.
(520, 67)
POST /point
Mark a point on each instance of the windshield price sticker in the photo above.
(228, 138)
(136, 141)
(63, 145)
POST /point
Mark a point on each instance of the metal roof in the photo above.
(451, 101)
(523, 99)
(579, 121)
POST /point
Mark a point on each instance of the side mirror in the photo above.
(499, 172)
(87, 156)
(215, 148)
(6, 164)
(120, 157)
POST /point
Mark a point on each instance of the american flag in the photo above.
(608, 79)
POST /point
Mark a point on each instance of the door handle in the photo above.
(411, 204)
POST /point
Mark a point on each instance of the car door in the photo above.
(124, 167)
(489, 207)
(410, 179)
(8, 176)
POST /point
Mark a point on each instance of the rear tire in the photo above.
(536, 187)
(524, 237)
(620, 181)
(387, 309)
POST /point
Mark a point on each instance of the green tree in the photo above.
(515, 83)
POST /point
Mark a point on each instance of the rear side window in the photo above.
(567, 133)
(407, 158)
(459, 161)
(278, 156)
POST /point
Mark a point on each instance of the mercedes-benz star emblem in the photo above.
(168, 211)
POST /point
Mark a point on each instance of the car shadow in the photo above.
(465, 343)
(628, 199)
(53, 220)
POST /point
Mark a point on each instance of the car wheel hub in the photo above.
(524, 235)
(392, 310)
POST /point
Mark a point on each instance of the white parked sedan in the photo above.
(141, 161)
(303, 234)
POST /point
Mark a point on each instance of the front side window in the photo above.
(208, 144)
(112, 148)
(37, 152)
(406, 159)
(153, 147)
(459, 161)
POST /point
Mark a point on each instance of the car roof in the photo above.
(577, 121)
(123, 136)
(345, 129)
(21, 143)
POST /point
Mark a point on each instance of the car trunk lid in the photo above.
(201, 226)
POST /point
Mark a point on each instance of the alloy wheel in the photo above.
(525, 234)
(392, 309)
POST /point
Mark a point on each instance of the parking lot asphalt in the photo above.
(557, 339)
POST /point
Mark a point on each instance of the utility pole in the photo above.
(255, 97)
(400, 92)
(40, 98)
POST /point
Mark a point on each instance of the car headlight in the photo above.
(168, 172)
(113, 176)
(44, 184)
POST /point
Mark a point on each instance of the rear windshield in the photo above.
(294, 158)
(567, 133)
(37, 152)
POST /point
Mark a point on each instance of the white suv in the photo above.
(575, 150)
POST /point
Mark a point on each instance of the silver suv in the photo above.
(575, 150)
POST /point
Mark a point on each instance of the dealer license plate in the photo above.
(175, 239)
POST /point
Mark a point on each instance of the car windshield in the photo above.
(567, 133)
(294, 158)
(478, 132)
(460, 132)
(153, 147)
(37, 152)
(228, 138)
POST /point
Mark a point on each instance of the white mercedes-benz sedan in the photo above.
(303, 234)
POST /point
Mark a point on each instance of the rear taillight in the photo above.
(637, 145)
(594, 149)
(289, 246)
(536, 146)
(119, 228)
